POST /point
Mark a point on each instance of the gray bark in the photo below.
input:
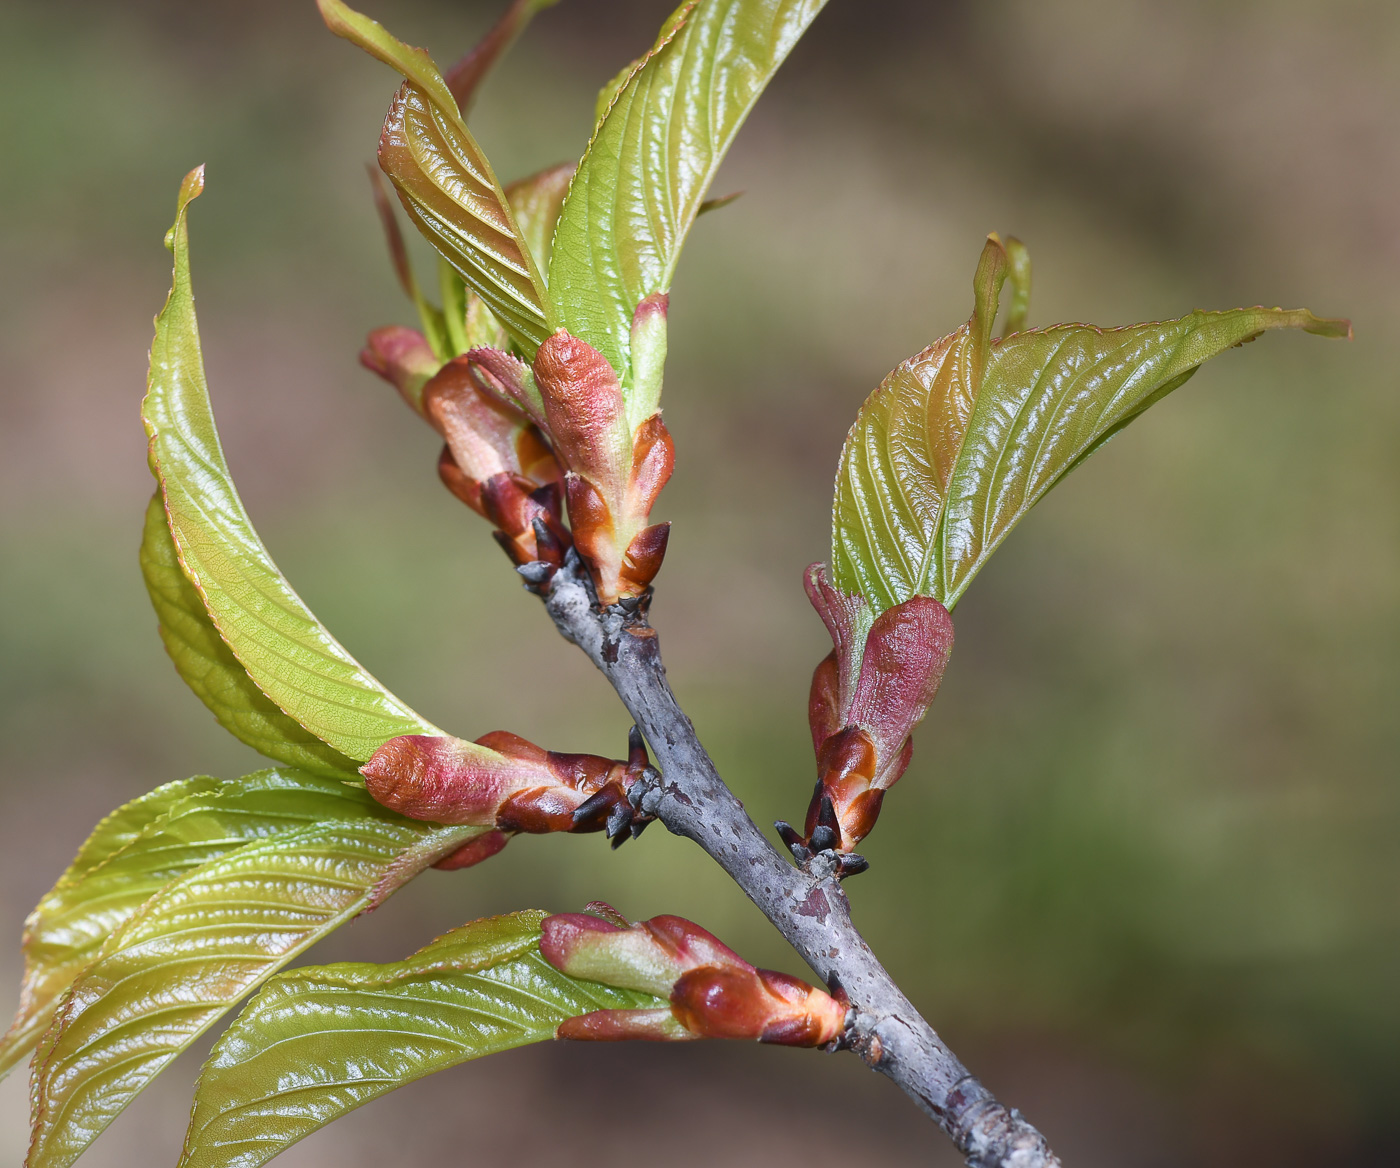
(808, 907)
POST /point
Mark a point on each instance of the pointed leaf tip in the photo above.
(961, 440)
(289, 655)
(192, 186)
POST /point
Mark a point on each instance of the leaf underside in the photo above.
(651, 160)
(286, 651)
(960, 441)
(318, 1042)
(213, 896)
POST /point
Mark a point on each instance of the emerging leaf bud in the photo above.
(403, 358)
(496, 460)
(866, 699)
(506, 782)
(714, 993)
(613, 473)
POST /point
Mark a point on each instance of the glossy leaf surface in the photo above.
(287, 652)
(651, 160)
(318, 1042)
(446, 183)
(68, 925)
(210, 669)
(960, 441)
(138, 850)
(232, 888)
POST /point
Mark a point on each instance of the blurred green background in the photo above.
(1143, 873)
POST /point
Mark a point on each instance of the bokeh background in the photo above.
(1143, 873)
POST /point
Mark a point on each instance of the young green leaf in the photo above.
(960, 441)
(53, 949)
(200, 943)
(287, 652)
(318, 1042)
(139, 849)
(210, 669)
(446, 183)
(651, 160)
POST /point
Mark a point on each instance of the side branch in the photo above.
(809, 909)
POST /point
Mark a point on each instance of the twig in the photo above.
(808, 908)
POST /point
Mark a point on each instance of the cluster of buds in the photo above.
(495, 459)
(503, 782)
(867, 697)
(713, 992)
(522, 440)
(613, 469)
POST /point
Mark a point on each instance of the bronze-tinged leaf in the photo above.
(446, 183)
(450, 192)
(960, 441)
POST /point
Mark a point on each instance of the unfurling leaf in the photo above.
(960, 441)
(213, 895)
(712, 991)
(140, 848)
(287, 652)
(318, 1042)
(447, 185)
(207, 665)
(641, 183)
(496, 460)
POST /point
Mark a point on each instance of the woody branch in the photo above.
(807, 907)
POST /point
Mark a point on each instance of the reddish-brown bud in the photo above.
(403, 358)
(506, 782)
(714, 993)
(508, 378)
(642, 559)
(584, 411)
(744, 1002)
(866, 699)
(613, 474)
(496, 460)
(824, 714)
(653, 460)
